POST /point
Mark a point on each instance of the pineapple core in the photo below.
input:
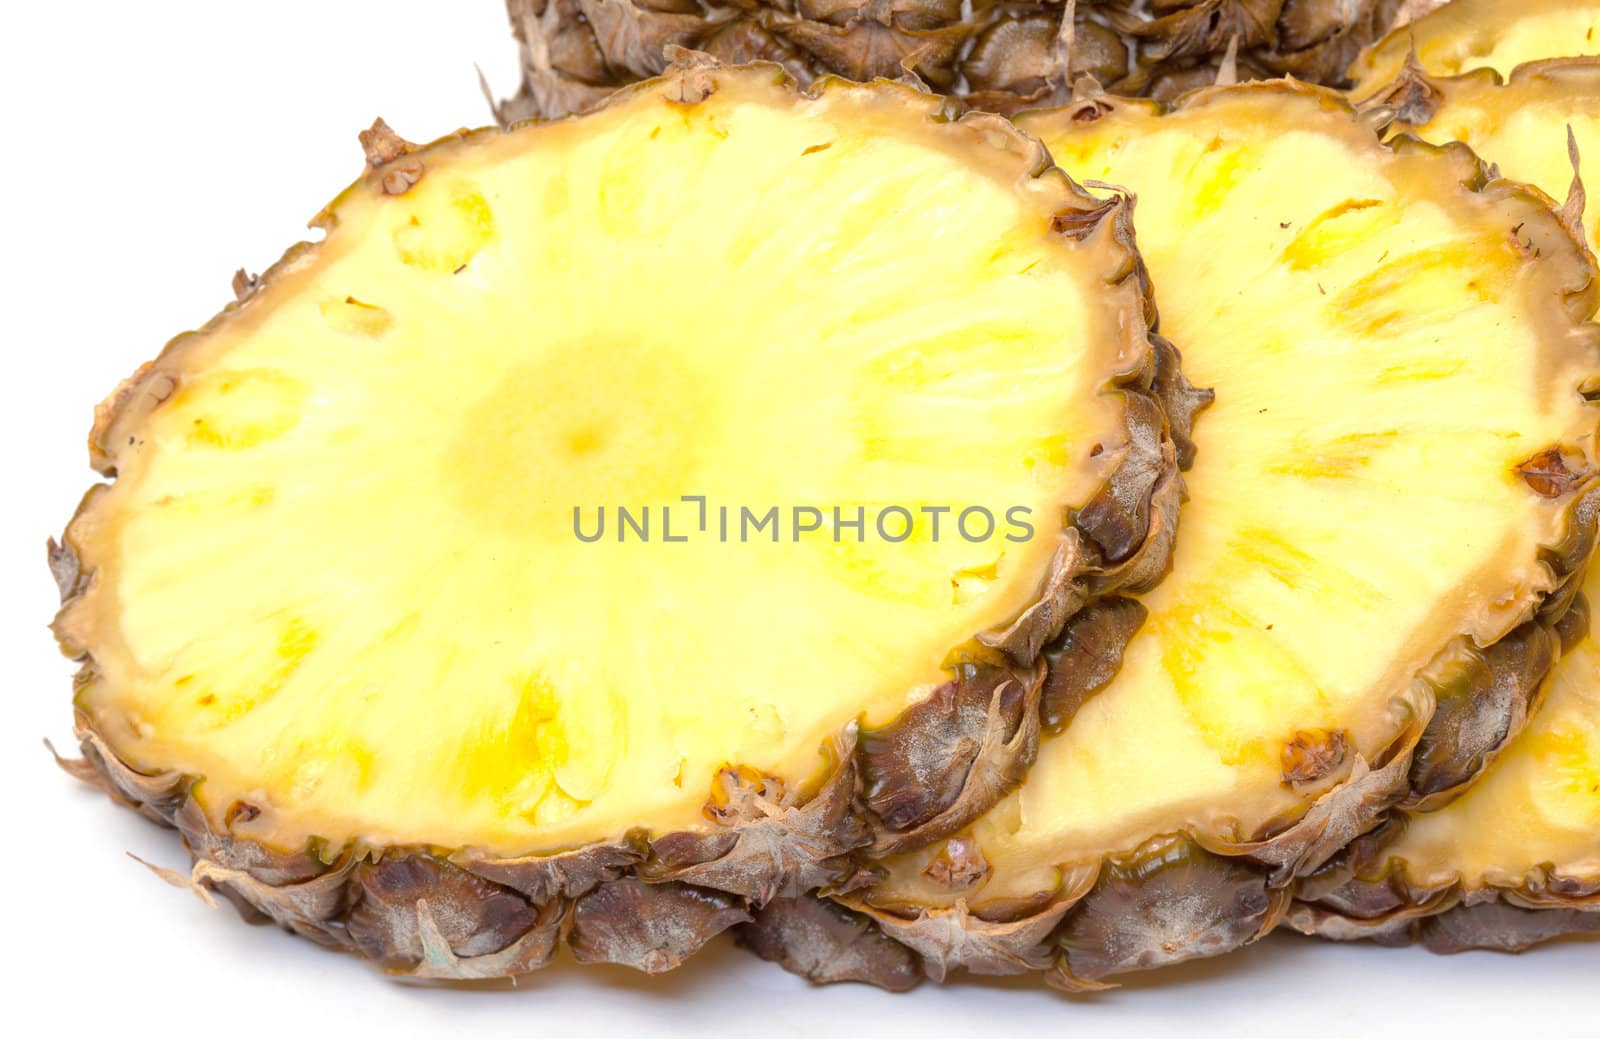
(1378, 342)
(339, 576)
(1475, 34)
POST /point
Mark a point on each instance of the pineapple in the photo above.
(1002, 54)
(1512, 862)
(1533, 125)
(1473, 34)
(1393, 497)
(352, 620)
(1526, 837)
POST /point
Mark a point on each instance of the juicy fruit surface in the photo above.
(337, 574)
(1356, 507)
(1473, 34)
(1522, 124)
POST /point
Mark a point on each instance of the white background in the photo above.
(148, 150)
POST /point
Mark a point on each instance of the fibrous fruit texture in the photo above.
(1001, 55)
(1472, 34)
(345, 616)
(1392, 498)
(1515, 860)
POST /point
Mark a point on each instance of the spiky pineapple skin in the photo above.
(1189, 895)
(1366, 893)
(648, 900)
(1001, 55)
(1361, 896)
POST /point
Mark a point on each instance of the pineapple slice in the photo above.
(1530, 124)
(1473, 34)
(1514, 861)
(1527, 836)
(1393, 495)
(353, 619)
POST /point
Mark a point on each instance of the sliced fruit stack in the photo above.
(753, 504)
(1389, 510)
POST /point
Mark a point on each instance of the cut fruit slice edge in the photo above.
(1513, 862)
(1534, 124)
(1516, 859)
(1393, 495)
(1465, 35)
(343, 619)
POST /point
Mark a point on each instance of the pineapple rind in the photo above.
(1001, 55)
(1520, 120)
(1471, 34)
(649, 899)
(823, 942)
(1516, 860)
(1211, 887)
(1513, 862)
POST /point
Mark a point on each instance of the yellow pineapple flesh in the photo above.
(339, 560)
(1471, 34)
